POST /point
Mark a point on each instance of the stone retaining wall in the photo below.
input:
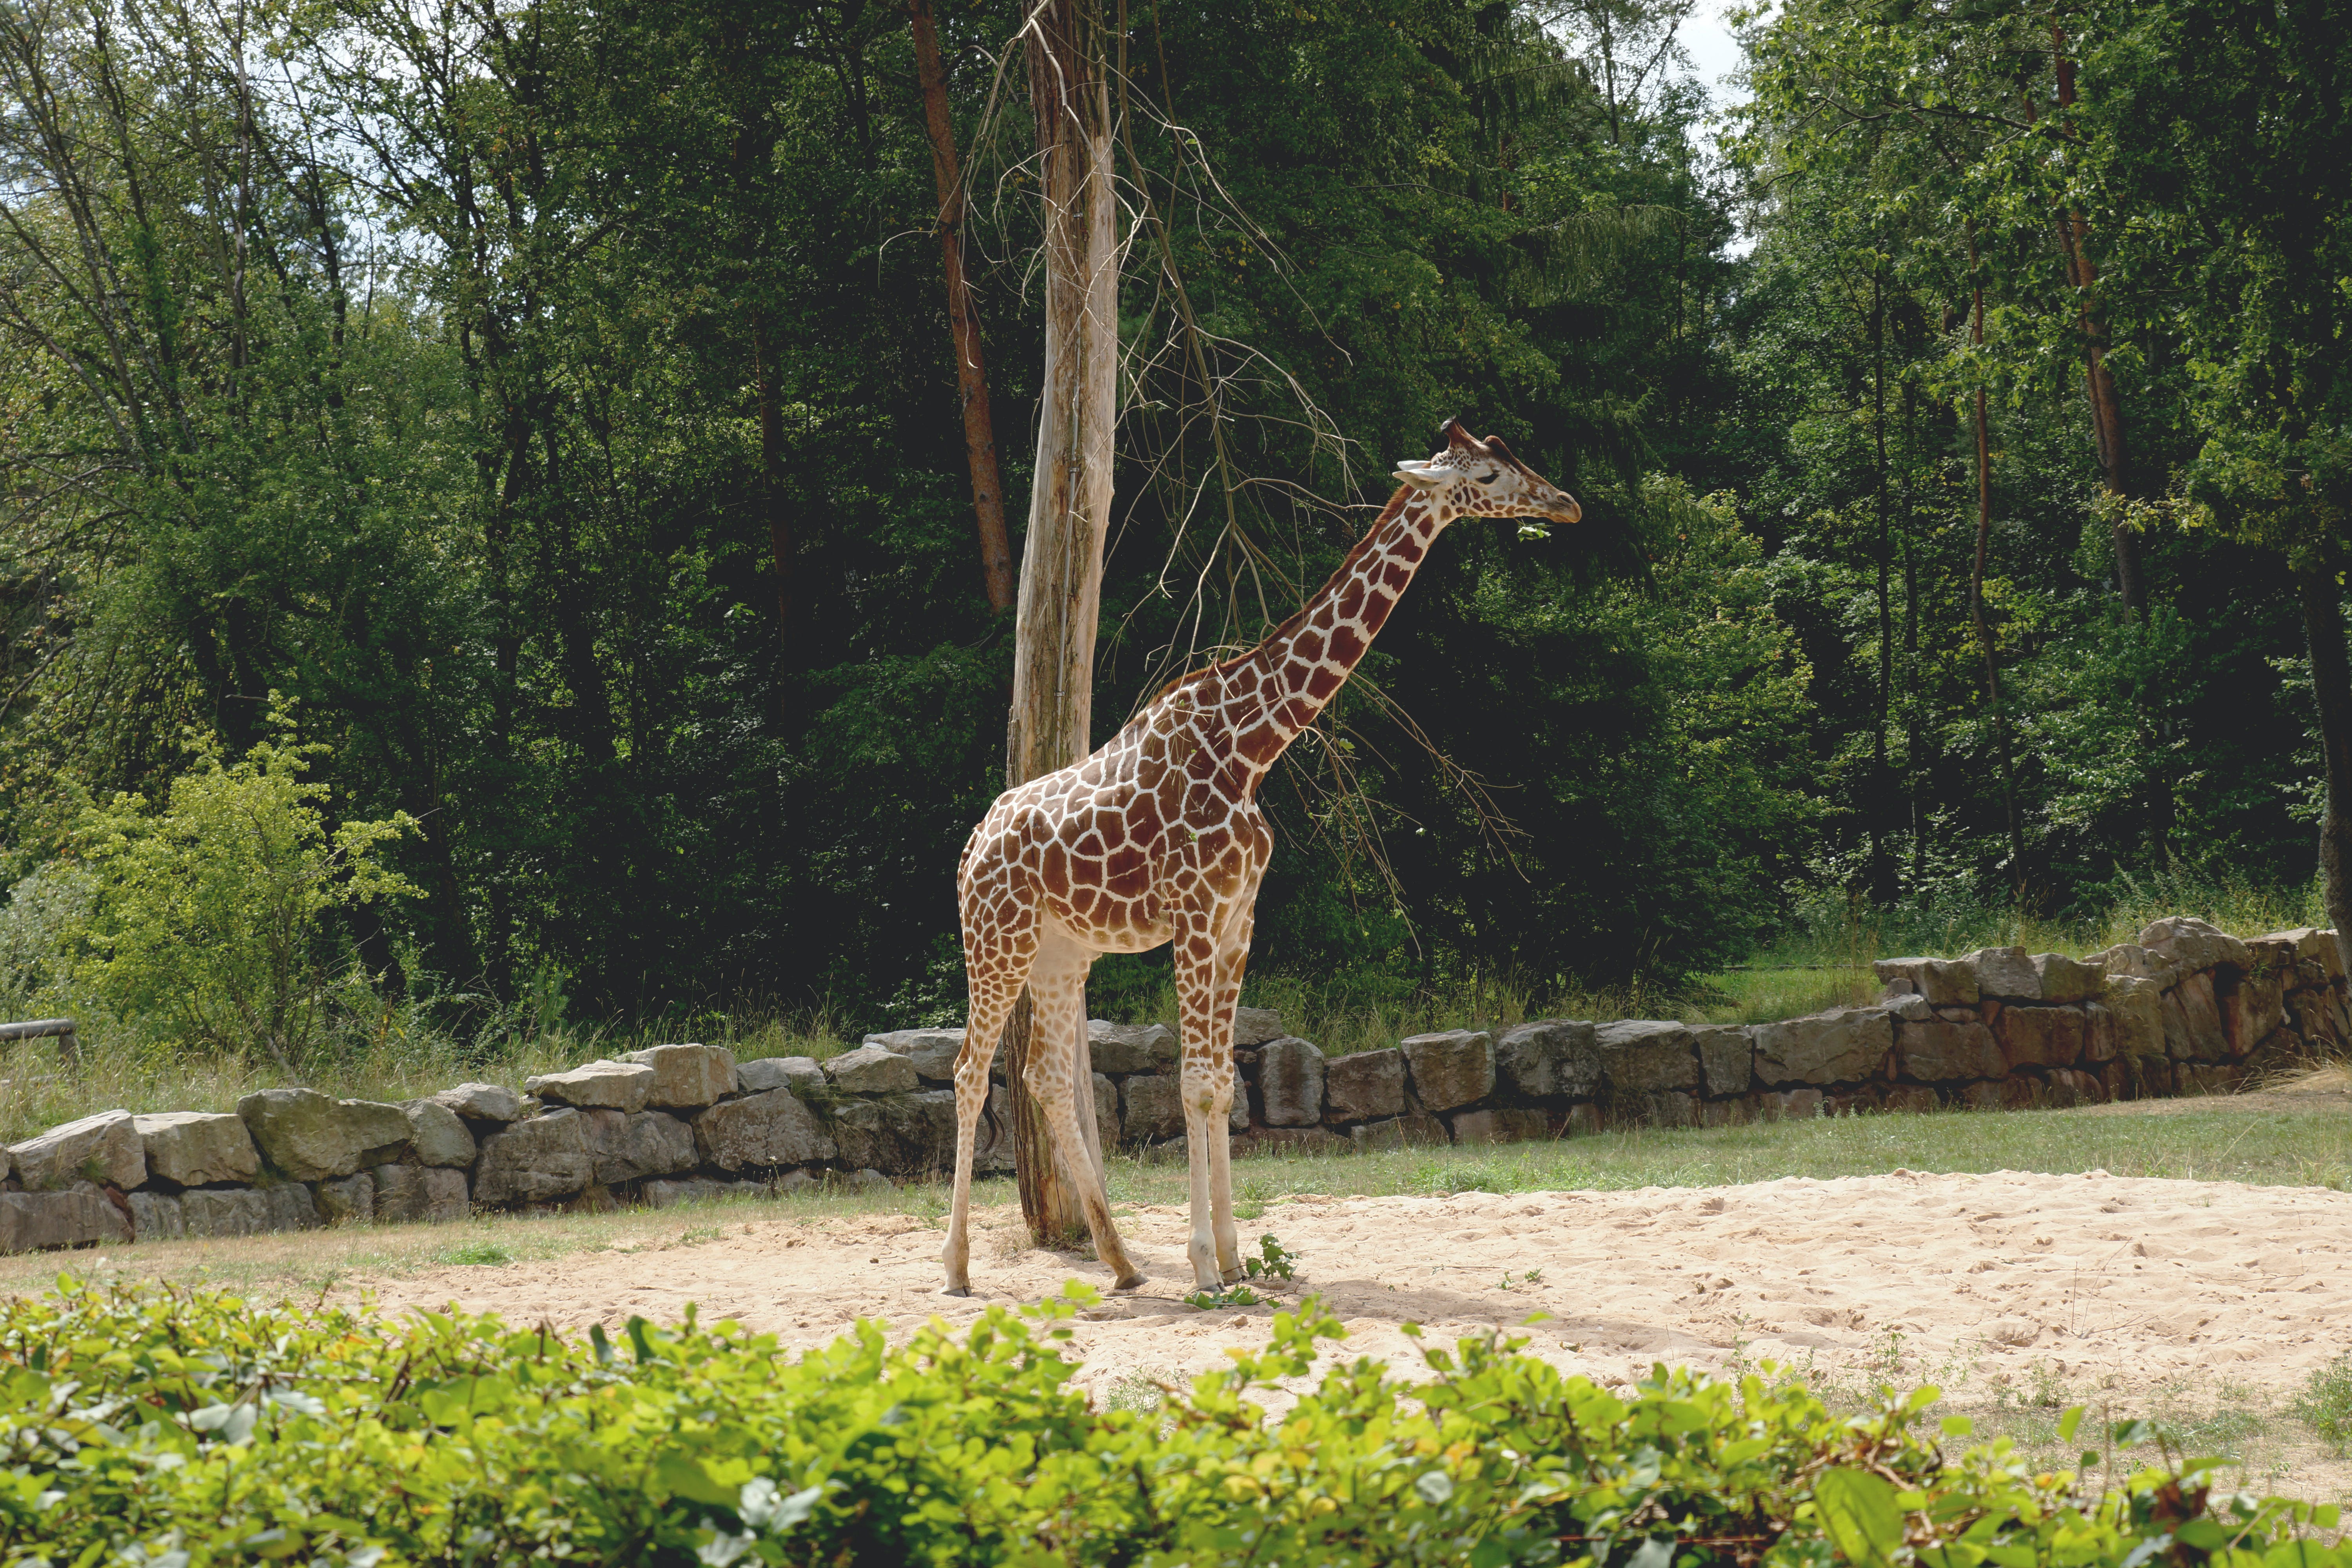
(2184, 1010)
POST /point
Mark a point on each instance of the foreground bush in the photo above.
(161, 1428)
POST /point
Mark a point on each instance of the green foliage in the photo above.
(1274, 1260)
(204, 913)
(2325, 1402)
(136, 1425)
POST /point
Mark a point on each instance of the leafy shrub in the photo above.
(203, 917)
(143, 1427)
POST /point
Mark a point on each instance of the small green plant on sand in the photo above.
(1274, 1261)
(1231, 1295)
(2325, 1403)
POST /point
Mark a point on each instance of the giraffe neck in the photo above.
(1301, 665)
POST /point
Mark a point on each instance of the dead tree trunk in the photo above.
(972, 369)
(2331, 686)
(1976, 595)
(1069, 509)
(2099, 382)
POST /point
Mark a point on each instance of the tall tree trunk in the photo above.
(2331, 686)
(1976, 592)
(971, 370)
(2099, 382)
(1069, 509)
(1882, 859)
(772, 471)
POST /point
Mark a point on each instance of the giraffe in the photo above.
(1157, 838)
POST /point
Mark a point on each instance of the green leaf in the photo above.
(1858, 1510)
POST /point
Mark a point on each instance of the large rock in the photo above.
(933, 1052)
(437, 1135)
(1502, 1125)
(351, 1199)
(538, 1161)
(2099, 1033)
(2254, 1008)
(197, 1148)
(1256, 1026)
(2193, 944)
(1364, 1086)
(1150, 1110)
(2040, 1037)
(1106, 1112)
(2128, 958)
(596, 1086)
(305, 1135)
(1727, 1058)
(2064, 980)
(798, 1073)
(1944, 981)
(2007, 972)
(78, 1215)
(484, 1103)
(1131, 1048)
(431, 1194)
(2314, 945)
(761, 1132)
(1941, 1053)
(1643, 1056)
(870, 1069)
(1290, 1082)
(288, 1206)
(2314, 1020)
(630, 1146)
(1546, 1058)
(1843, 1045)
(106, 1148)
(908, 1135)
(1452, 1068)
(156, 1216)
(2199, 1021)
(686, 1077)
(2136, 1006)
(225, 1211)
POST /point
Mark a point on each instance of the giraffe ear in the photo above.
(1420, 474)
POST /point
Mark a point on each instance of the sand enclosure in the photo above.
(2012, 1291)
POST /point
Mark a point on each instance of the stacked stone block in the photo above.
(2184, 1010)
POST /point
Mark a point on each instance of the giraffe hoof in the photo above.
(1127, 1282)
(956, 1291)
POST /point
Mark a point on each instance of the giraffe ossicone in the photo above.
(1157, 838)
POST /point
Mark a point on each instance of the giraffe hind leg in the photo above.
(1057, 990)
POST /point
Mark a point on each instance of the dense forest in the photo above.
(487, 517)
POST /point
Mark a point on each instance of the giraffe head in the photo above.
(1481, 479)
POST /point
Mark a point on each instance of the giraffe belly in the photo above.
(1146, 930)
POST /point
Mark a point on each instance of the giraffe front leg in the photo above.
(1230, 962)
(1205, 1092)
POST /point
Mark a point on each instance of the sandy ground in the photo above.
(2010, 1290)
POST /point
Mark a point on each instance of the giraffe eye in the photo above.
(1489, 478)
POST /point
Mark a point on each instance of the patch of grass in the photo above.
(1137, 1392)
(487, 1254)
(2326, 1404)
